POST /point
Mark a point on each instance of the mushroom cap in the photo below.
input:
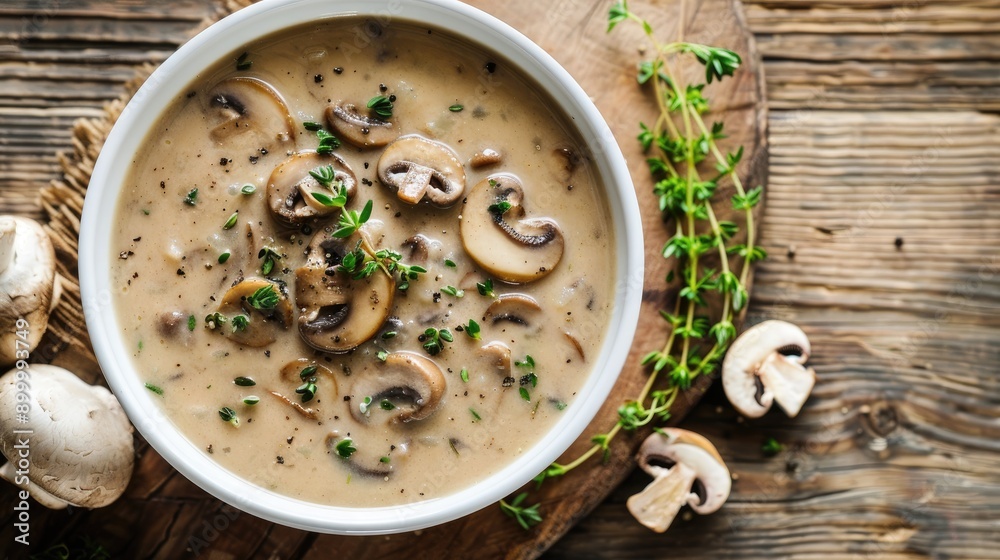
(290, 187)
(692, 460)
(244, 105)
(28, 284)
(336, 312)
(360, 130)
(508, 246)
(80, 439)
(756, 373)
(419, 168)
(264, 324)
(407, 376)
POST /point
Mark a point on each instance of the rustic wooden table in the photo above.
(883, 226)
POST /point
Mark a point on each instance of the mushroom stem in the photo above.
(8, 229)
(657, 505)
(788, 382)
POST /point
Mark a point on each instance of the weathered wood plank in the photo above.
(894, 454)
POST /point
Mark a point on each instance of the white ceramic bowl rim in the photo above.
(169, 81)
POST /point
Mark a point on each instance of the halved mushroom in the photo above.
(404, 376)
(360, 130)
(292, 189)
(497, 237)
(243, 105)
(336, 312)
(419, 168)
(520, 309)
(686, 469)
(81, 449)
(266, 315)
(29, 285)
(764, 365)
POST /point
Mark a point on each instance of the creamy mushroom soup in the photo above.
(362, 263)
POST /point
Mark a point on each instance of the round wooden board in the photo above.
(164, 515)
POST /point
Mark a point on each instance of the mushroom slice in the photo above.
(496, 236)
(686, 469)
(266, 315)
(759, 369)
(405, 376)
(29, 285)
(515, 308)
(336, 312)
(498, 355)
(81, 451)
(294, 192)
(419, 168)
(361, 130)
(243, 104)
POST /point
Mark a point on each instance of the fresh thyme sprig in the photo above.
(687, 166)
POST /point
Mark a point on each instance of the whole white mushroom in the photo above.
(29, 285)
(72, 441)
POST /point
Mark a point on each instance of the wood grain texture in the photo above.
(894, 454)
(187, 520)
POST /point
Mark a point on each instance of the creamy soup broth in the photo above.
(168, 279)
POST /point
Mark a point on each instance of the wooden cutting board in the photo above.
(164, 515)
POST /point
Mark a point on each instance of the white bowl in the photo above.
(169, 81)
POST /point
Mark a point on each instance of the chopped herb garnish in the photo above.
(526, 517)
(381, 106)
(215, 320)
(231, 221)
(453, 291)
(311, 126)
(382, 355)
(450, 263)
(384, 459)
(464, 374)
(771, 447)
(499, 208)
(386, 404)
(351, 220)
(145, 212)
(240, 323)
(244, 381)
(264, 298)
(308, 372)
(434, 340)
(140, 346)
(560, 405)
(475, 415)
(364, 404)
(154, 389)
(307, 390)
(486, 288)
(345, 448)
(224, 257)
(192, 197)
(338, 201)
(388, 334)
(528, 362)
(192, 322)
(229, 415)
(456, 108)
(242, 63)
(248, 189)
(270, 257)
(524, 393)
(324, 175)
(472, 329)
(327, 142)
(251, 400)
